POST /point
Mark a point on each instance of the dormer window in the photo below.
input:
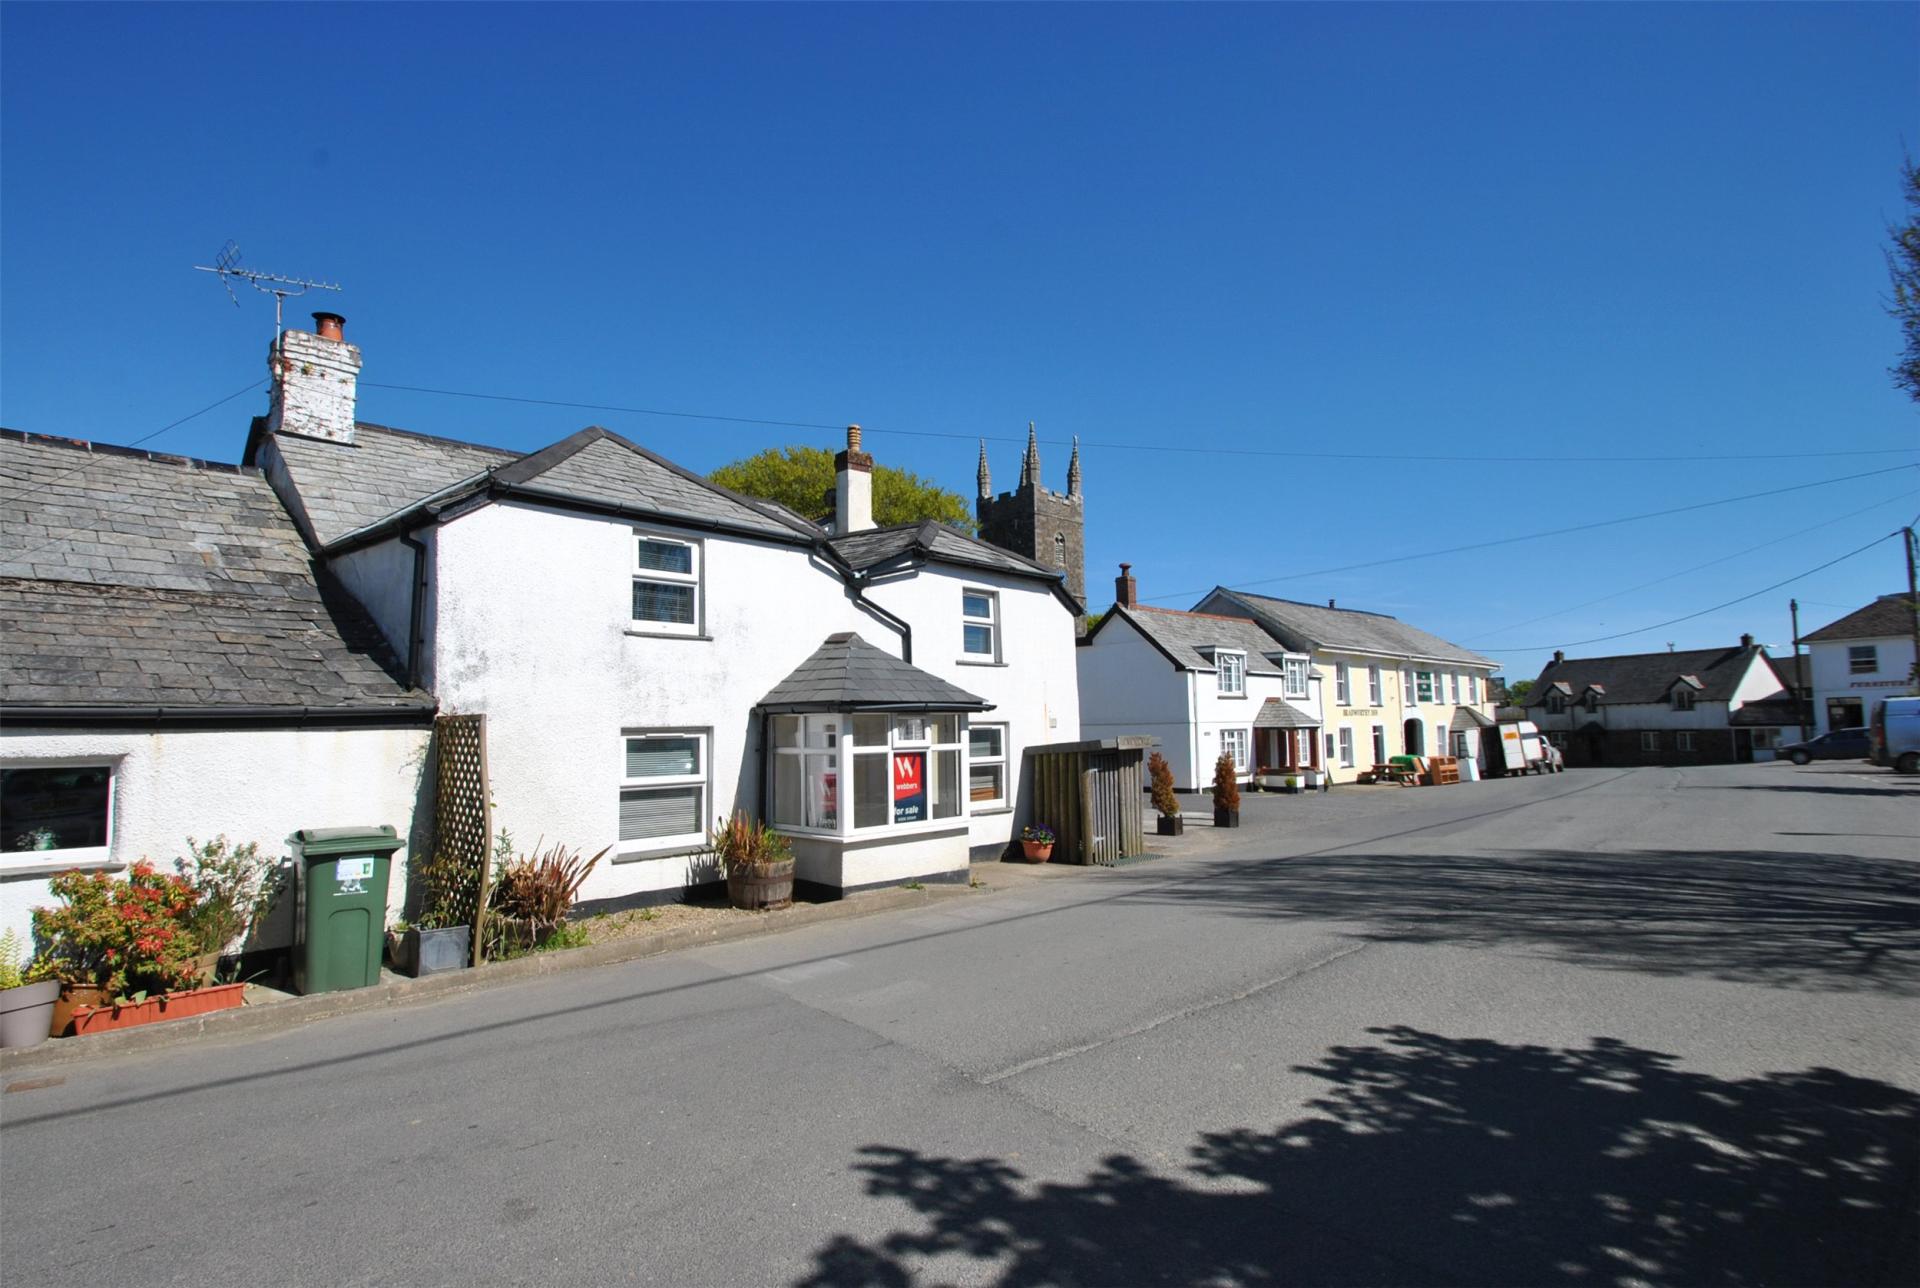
(1683, 699)
(1556, 704)
(1231, 669)
(1296, 676)
(1591, 701)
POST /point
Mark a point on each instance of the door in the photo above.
(1596, 742)
(1743, 746)
(1415, 736)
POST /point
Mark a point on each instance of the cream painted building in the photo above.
(1387, 688)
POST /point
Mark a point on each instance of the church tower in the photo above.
(1046, 527)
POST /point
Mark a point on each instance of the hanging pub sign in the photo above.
(909, 786)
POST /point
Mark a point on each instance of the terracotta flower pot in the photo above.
(1037, 851)
(165, 1006)
(72, 998)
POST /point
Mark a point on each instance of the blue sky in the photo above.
(1371, 231)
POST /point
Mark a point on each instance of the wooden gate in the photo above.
(1092, 794)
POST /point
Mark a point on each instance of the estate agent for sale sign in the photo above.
(909, 786)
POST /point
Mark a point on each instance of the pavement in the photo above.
(1609, 1027)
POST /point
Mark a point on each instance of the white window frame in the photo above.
(1683, 741)
(679, 842)
(1556, 704)
(1374, 692)
(75, 856)
(1409, 695)
(1346, 746)
(1379, 744)
(1473, 690)
(990, 622)
(1242, 752)
(1342, 685)
(1294, 681)
(1002, 801)
(1230, 673)
(845, 751)
(1683, 698)
(1650, 741)
(694, 579)
(1867, 653)
(1453, 688)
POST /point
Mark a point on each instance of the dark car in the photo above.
(1840, 744)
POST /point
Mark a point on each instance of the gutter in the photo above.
(417, 611)
(279, 717)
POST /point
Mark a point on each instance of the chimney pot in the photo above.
(330, 326)
(853, 438)
(1329, 603)
(1559, 656)
(1746, 641)
(1126, 591)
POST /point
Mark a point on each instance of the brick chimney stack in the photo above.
(1746, 641)
(1559, 656)
(1126, 592)
(852, 487)
(315, 381)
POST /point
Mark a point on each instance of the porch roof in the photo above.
(848, 674)
(1278, 713)
(1467, 719)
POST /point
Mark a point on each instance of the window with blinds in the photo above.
(663, 791)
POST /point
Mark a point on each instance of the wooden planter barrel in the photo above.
(759, 889)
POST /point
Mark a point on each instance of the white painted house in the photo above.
(651, 651)
(1205, 685)
(1860, 659)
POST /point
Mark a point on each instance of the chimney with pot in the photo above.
(1330, 603)
(852, 487)
(315, 377)
(1746, 641)
(1559, 656)
(1125, 592)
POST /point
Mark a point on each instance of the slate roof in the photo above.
(131, 578)
(1182, 636)
(1649, 677)
(938, 542)
(847, 673)
(345, 487)
(1277, 713)
(1767, 711)
(1466, 719)
(1307, 627)
(1887, 615)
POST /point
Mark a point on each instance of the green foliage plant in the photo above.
(232, 892)
(740, 844)
(1039, 833)
(1160, 783)
(11, 975)
(801, 478)
(1226, 783)
(130, 935)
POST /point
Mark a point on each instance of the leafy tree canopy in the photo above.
(1903, 266)
(801, 478)
(1517, 692)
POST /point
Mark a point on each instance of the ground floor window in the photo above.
(50, 811)
(1379, 744)
(1845, 713)
(1649, 742)
(874, 770)
(663, 788)
(987, 766)
(1328, 745)
(1766, 739)
(1346, 747)
(1684, 741)
(1234, 742)
(1460, 748)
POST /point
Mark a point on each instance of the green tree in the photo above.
(1517, 692)
(801, 478)
(1903, 266)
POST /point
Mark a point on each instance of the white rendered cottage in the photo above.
(1204, 685)
(1861, 659)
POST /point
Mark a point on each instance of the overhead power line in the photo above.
(1672, 576)
(1537, 536)
(1675, 621)
(1173, 448)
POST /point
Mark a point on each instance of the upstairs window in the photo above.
(980, 625)
(1863, 659)
(1453, 687)
(1296, 676)
(1408, 693)
(1231, 670)
(1556, 704)
(1342, 685)
(1591, 701)
(666, 584)
(1473, 689)
(1683, 699)
(1373, 686)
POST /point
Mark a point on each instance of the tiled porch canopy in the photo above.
(1278, 713)
(848, 674)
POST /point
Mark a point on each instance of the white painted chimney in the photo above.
(316, 378)
(852, 487)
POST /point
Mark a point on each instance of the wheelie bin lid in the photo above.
(346, 840)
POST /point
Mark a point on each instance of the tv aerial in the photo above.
(282, 289)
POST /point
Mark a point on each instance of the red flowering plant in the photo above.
(130, 935)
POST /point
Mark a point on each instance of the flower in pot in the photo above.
(27, 997)
(1036, 842)
(1160, 790)
(1226, 792)
(756, 860)
(532, 896)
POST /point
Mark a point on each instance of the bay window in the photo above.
(843, 772)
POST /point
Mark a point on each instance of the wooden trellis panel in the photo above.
(463, 818)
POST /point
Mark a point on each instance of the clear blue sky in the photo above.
(1549, 231)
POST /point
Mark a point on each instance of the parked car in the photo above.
(1896, 734)
(1838, 744)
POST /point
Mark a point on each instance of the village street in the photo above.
(1617, 1026)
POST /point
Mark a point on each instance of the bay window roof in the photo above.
(848, 674)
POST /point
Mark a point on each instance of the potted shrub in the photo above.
(26, 1005)
(532, 896)
(757, 862)
(1036, 842)
(440, 936)
(1226, 793)
(126, 950)
(1160, 789)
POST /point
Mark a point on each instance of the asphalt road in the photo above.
(1611, 1027)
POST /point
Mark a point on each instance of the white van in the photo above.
(1896, 734)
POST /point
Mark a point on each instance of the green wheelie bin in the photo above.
(340, 911)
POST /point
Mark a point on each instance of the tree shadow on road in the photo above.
(1433, 1160)
(1811, 921)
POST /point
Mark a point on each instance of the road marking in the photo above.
(1149, 1025)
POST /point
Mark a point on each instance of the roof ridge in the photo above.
(442, 439)
(1301, 603)
(1188, 612)
(29, 438)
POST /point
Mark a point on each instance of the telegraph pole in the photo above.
(1913, 613)
(1802, 705)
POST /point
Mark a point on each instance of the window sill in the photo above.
(990, 812)
(665, 635)
(1232, 697)
(976, 661)
(672, 852)
(29, 863)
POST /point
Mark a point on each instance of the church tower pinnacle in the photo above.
(1030, 467)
